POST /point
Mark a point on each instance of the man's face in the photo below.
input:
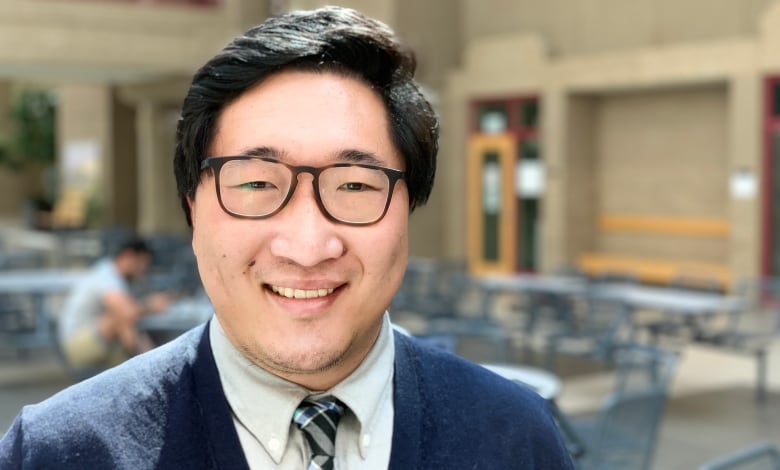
(134, 265)
(348, 274)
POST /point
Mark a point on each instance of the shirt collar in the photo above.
(264, 403)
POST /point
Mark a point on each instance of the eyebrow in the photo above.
(360, 156)
(264, 151)
(348, 156)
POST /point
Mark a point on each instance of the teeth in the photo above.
(291, 293)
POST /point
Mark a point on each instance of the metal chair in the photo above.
(751, 329)
(448, 301)
(596, 332)
(623, 434)
(762, 456)
(17, 321)
(173, 267)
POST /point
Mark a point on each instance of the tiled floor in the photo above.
(711, 411)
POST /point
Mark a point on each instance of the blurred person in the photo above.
(97, 326)
(302, 148)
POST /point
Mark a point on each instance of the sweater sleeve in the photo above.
(11, 446)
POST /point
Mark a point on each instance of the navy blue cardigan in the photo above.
(166, 409)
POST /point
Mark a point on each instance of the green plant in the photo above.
(32, 141)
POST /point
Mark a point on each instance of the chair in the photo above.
(449, 303)
(467, 314)
(444, 342)
(430, 288)
(762, 456)
(17, 320)
(595, 333)
(173, 266)
(623, 433)
(545, 308)
(641, 367)
(751, 329)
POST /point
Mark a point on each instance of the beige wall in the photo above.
(579, 185)
(383, 10)
(576, 27)
(664, 154)
(64, 40)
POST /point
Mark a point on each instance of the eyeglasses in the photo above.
(258, 187)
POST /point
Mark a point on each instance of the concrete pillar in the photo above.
(84, 141)
(158, 205)
(451, 176)
(744, 114)
(554, 222)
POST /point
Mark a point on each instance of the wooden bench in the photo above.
(658, 270)
(653, 270)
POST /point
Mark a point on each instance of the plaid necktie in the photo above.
(318, 420)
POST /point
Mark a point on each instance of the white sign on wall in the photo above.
(743, 184)
(529, 178)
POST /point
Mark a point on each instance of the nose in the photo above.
(303, 234)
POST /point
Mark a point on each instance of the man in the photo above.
(97, 326)
(301, 149)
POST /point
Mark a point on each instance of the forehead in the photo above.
(307, 117)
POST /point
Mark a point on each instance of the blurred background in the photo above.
(592, 132)
(580, 138)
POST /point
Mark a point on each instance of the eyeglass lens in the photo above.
(256, 188)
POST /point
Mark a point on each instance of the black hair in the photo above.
(135, 245)
(329, 39)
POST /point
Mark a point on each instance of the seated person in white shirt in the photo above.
(97, 326)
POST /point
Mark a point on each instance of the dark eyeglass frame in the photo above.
(216, 164)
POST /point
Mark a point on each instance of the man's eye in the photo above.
(256, 185)
(356, 186)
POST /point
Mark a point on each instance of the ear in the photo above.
(192, 212)
(191, 207)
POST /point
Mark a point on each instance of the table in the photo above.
(550, 290)
(536, 283)
(183, 315)
(668, 299)
(687, 302)
(546, 384)
(36, 281)
(686, 305)
(38, 284)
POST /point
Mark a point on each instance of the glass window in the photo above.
(529, 150)
(529, 113)
(492, 119)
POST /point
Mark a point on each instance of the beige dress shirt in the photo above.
(263, 404)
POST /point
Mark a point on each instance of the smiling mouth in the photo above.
(291, 293)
